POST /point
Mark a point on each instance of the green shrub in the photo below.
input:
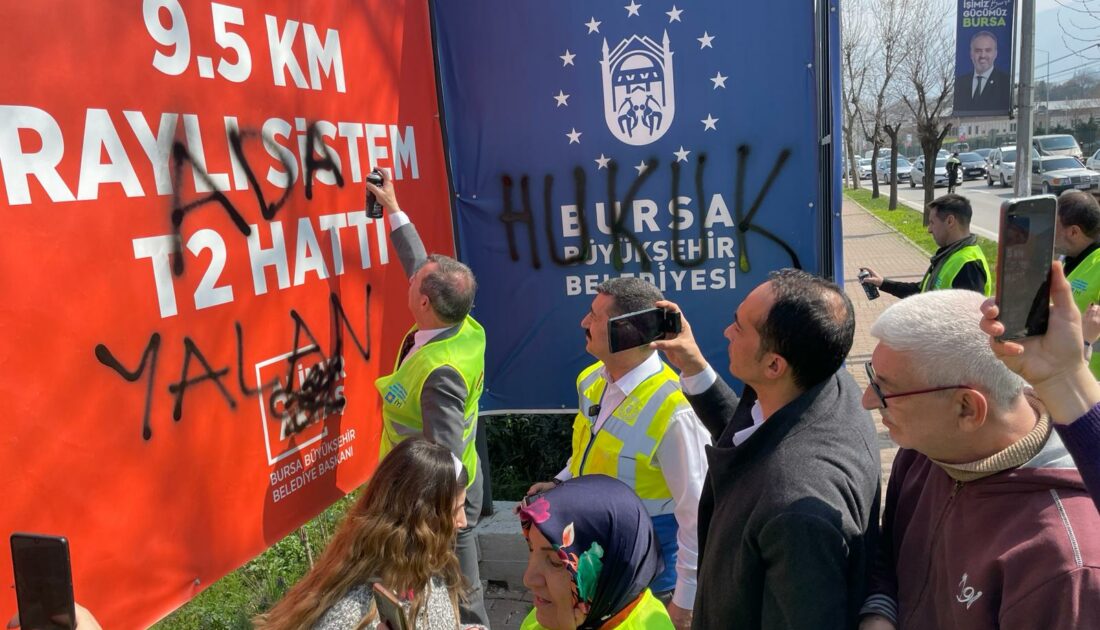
(525, 449)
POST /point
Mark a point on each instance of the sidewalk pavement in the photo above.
(867, 243)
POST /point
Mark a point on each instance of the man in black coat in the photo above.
(789, 513)
(986, 89)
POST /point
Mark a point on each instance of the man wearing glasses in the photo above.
(789, 511)
(987, 523)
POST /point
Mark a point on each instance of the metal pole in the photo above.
(1025, 114)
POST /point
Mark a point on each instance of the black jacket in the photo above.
(788, 520)
(971, 275)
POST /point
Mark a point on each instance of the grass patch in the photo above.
(910, 224)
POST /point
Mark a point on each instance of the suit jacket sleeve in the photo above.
(715, 407)
(806, 561)
(410, 249)
(443, 401)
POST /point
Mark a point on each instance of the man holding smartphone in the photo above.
(958, 263)
(789, 511)
(439, 375)
(635, 424)
(1077, 238)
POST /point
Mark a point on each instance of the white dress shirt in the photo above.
(698, 383)
(681, 456)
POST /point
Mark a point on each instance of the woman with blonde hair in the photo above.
(399, 534)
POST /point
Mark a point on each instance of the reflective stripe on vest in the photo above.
(626, 444)
(1084, 281)
(951, 267)
(402, 416)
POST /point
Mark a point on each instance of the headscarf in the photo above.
(604, 537)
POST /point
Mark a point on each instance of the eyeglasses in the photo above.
(882, 397)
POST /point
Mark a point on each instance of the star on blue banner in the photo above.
(676, 141)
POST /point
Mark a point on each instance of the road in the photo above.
(985, 201)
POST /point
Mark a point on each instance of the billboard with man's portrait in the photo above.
(983, 58)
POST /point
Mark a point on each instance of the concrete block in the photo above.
(502, 550)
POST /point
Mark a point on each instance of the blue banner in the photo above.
(983, 58)
(680, 142)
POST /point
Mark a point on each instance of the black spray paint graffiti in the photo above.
(316, 396)
(621, 236)
(312, 400)
(181, 157)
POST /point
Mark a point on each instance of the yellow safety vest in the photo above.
(1084, 281)
(649, 614)
(402, 416)
(951, 267)
(625, 447)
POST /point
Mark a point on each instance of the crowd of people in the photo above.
(686, 505)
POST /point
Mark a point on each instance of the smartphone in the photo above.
(390, 609)
(1025, 251)
(641, 327)
(43, 582)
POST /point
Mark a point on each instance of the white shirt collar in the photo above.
(424, 336)
(634, 377)
(757, 420)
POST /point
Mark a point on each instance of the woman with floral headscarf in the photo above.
(593, 555)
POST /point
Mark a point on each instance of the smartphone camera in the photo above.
(374, 209)
(639, 328)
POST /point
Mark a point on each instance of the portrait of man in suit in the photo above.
(986, 88)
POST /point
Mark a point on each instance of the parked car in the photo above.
(904, 169)
(1053, 174)
(882, 152)
(864, 168)
(939, 176)
(1093, 163)
(984, 153)
(1002, 165)
(1058, 144)
(973, 166)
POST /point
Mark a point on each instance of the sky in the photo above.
(1049, 36)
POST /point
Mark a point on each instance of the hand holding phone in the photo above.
(641, 327)
(43, 582)
(1024, 254)
(390, 609)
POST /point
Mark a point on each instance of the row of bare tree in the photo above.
(898, 61)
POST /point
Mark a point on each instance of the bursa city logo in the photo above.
(641, 57)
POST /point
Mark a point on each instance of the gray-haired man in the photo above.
(439, 375)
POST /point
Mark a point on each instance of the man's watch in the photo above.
(557, 482)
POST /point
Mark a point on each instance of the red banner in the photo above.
(196, 304)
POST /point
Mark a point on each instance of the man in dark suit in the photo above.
(986, 89)
(789, 513)
(438, 377)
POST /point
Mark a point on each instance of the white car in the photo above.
(1093, 163)
(864, 168)
(904, 170)
(939, 177)
(1002, 165)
